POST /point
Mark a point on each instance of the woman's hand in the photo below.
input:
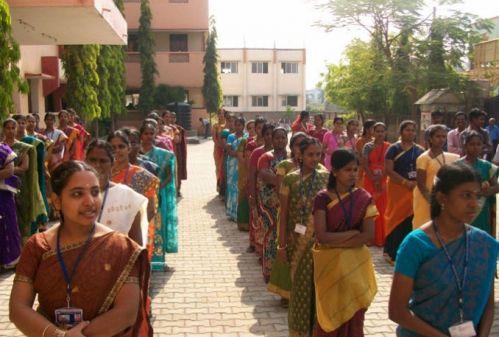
(77, 330)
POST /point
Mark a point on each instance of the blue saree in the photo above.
(232, 191)
(435, 294)
(165, 236)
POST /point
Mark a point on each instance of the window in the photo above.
(178, 42)
(289, 68)
(259, 100)
(133, 42)
(231, 101)
(260, 67)
(229, 67)
(289, 101)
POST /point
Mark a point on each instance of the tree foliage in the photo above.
(410, 53)
(82, 89)
(164, 94)
(212, 89)
(147, 62)
(10, 77)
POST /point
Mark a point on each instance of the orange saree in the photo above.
(97, 281)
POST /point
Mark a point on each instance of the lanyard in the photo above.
(104, 202)
(67, 277)
(460, 284)
(349, 215)
(305, 197)
(443, 157)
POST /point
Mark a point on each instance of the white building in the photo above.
(263, 81)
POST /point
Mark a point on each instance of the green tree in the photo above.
(147, 63)
(164, 94)
(80, 66)
(212, 89)
(10, 78)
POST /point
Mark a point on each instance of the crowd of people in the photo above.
(68, 200)
(312, 211)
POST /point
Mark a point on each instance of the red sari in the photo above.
(72, 144)
(98, 280)
(376, 163)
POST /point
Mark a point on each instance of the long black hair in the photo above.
(368, 123)
(448, 178)
(101, 144)
(294, 139)
(339, 159)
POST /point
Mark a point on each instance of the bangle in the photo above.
(59, 333)
(281, 248)
(45, 329)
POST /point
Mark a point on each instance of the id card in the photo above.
(465, 329)
(411, 175)
(300, 229)
(378, 172)
(67, 318)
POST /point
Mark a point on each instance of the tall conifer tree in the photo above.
(212, 89)
(147, 62)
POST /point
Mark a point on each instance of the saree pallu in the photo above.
(223, 182)
(165, 234)
(376, 160)
(40, 159)
(242, 186)
(30, 206)
(232, 178)
(10, 238)
(96, 282)
(218, 152)
(82, 136)
(345, 286)
(145, 183)
(72, 144)
(280, 275)
(181, 154)
(256, 230)
(435, 294)
(249, 148)
(299, 249)
(359, 146)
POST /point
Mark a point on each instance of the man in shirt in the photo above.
(476, 120)
(453, 143)
(493, 131)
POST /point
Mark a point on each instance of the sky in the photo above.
(291, 24)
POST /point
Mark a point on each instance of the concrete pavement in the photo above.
(217, 288)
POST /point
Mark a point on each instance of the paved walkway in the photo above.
(217, 288)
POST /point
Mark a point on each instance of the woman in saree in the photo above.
(400, 167)
(366, 137)
(123, 209)
(280, 277)
(101, 288)
(229, 128)
(233, 141)
(427, 166)
(242, 180)
(218, 147)
(351, 134)
(444, 272)
(318, 131)
(58, 139)
(333, 140)
(344, 279)
(473, 147)
(301, 123)
(373, 161)
(22, 135)
(134, 155)
(297, 234)
(30, 206)
(256, 229)
(268, 197)
(10, 238)
(73, 142)
(165, 235)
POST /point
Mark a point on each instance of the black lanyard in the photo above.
(305, 197)
(67, 277)
(104, 202)
(349, 215)
(460, 284)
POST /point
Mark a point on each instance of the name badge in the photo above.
(411, 175)
(465, 329)
(378, 172)
(66, 318)
(300, 229)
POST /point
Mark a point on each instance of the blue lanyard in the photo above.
(305, 197)
(460, 284)
(349, 215)
(67, 277)
(104, 201)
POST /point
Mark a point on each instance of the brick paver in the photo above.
(217, 288)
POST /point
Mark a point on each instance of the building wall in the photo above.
(30, 63)
(275, 84)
